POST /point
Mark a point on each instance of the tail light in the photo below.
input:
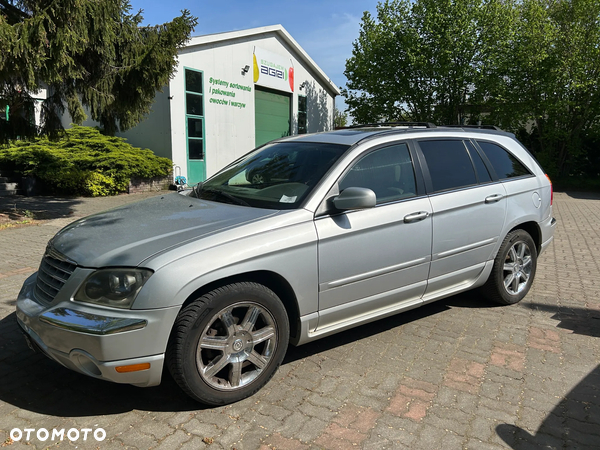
(551, 190)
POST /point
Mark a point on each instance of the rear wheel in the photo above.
(228, 343)
(514, 269)
(258, 178)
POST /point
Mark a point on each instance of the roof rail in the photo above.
(481, 127)
(396, 124)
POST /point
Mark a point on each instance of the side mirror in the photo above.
(355, 198)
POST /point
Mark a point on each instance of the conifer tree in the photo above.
(90, 55)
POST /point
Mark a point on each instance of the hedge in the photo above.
(83, 162)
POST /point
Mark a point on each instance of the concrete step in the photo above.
(9, 186)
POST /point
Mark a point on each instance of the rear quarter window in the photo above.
(504, 163)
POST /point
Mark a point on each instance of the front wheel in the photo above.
(228, 344)
(514, 269)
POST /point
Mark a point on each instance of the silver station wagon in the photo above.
(299, 239)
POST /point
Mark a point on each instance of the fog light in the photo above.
(132, 368)
(87, 365)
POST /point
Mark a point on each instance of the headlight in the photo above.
(113, 287)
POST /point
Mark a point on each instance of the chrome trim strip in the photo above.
(466, 248)
(81, 322)
(373, 273)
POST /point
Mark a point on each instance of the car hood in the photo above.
(128, 235)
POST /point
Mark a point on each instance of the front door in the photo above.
(375, 259)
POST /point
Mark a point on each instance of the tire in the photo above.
(514, 269)
(258, 178)
(227, 344)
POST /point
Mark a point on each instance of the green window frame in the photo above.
(4, 110)
(194, 114)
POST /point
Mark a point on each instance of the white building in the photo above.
(232, 92)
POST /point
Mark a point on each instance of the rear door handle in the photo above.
(415, 217)
(493, 198)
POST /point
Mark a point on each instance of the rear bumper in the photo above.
(96, 341)
(548, 227)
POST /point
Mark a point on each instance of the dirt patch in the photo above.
(17, 218)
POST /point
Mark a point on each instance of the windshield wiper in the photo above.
(227, 195)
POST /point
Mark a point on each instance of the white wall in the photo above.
(229, 130)
(155, 131)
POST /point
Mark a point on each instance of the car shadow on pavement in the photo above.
(573, 423)
(470, 299)
(579, 320)
(33, 382)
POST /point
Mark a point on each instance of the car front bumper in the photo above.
(123, 346)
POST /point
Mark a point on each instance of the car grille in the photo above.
(54, 272)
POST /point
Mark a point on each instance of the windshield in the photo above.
(277, 176)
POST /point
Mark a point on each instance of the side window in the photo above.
(449, 164)
(483, 175)
(505, 164)
(388, 172)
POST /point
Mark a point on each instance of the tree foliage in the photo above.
(529, 66)
(552, 83)
(91, 54)
(421, 60)
(340, 118)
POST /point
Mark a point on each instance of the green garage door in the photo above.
(272, 116)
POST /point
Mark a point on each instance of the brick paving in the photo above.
(457, 374)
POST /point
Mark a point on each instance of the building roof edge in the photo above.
(278, 30)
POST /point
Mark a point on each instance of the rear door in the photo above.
(469, 210)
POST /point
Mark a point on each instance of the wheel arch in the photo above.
(278, 284)
(534, 231)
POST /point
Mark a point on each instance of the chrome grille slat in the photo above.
(47, 289)
(42, 295)
(55, 282)
(54, 271)
(58, 274)
(57, 268)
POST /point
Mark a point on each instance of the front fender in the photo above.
(289, 251)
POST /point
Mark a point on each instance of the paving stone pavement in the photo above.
(457, 374)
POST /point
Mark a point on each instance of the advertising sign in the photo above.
(273, 71)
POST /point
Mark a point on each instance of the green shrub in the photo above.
(84, 162)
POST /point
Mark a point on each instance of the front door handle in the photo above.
(493, 198)
(415, 217)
